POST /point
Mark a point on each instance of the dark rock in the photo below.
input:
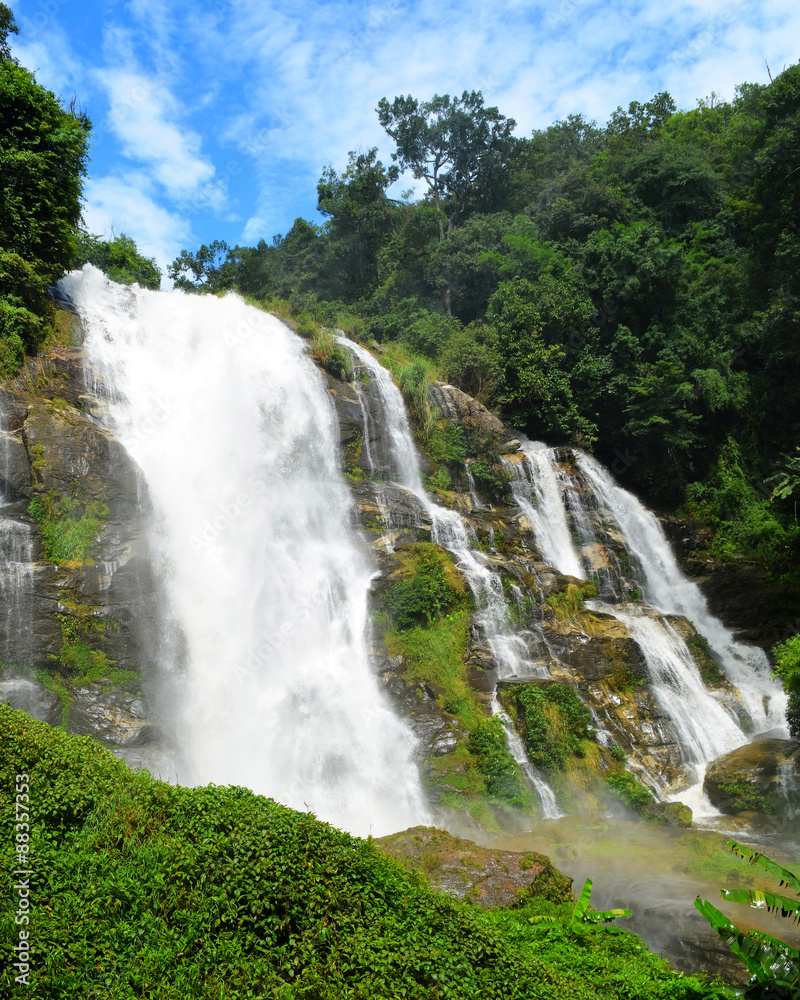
(762, 777)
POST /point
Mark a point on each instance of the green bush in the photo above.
(554, 723)
(787, 667)
(500, 771)
(428, 589)
(629, 791)
(145, 889)
(69, 526)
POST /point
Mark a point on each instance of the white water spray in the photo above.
(231, 426)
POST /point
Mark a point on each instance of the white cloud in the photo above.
(126, 204)
(139, 117)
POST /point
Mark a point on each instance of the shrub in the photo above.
(428, 589)
(488, 745)
(554, 723)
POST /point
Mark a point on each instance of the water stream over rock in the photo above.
(230, 423)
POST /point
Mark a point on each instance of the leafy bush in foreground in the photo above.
(146, 890)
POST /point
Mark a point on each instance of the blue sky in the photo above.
(213, 120)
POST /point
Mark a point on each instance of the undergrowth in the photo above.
(145, 889)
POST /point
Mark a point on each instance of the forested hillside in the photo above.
(631, 288)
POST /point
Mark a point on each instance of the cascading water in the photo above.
(666, 588)
(231, 426)
(16, 569)
(550, 529)
(600, 510)
(509, 650)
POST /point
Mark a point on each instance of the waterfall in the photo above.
(16, 589)
(535, 479)
(17, 567)
(622, 545)
(665, 587)
(236, 438)
(449, 530)
(509, 650)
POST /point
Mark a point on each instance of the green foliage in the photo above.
(487, 743)
(428, 588)
(629, 791)
(787, 667)
(773, 964)
(584, 920)
(553, 722)
(567, 603)
(744, 521)
(446, 443)
(119, 258)
(744, 796)
(69, 526)
(492, 477)
(8, 26)
(43, 150)
(151, 889)
(331, 355)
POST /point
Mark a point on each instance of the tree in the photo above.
(43, 152)
(450, 143)
(209, 267)
(8, 26)
(119, 258)
(360, 217)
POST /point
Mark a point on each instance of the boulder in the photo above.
(762, 777)
(459, 408)
(477, 874)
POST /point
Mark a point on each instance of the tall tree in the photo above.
(8, 26)
(450, 143)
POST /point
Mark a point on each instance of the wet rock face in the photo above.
(762, 777)
(111, 716)
(30, 696)
(67, 609)
(477, 874)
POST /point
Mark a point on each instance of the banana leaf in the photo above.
(783, 875)
(761, 900)
(766, 958)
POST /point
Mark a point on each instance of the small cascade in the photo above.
(448, 529)
(703, 728)
(16, 589)
(538, 492)
(790, 788)
(547, 797)
(473, 496)
(665, 587)
(17, 553)
(265, 579)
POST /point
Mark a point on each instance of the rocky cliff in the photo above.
(77, 582)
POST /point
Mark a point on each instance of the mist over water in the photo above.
(236, 438)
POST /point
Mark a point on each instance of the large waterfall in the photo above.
(236, 438)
